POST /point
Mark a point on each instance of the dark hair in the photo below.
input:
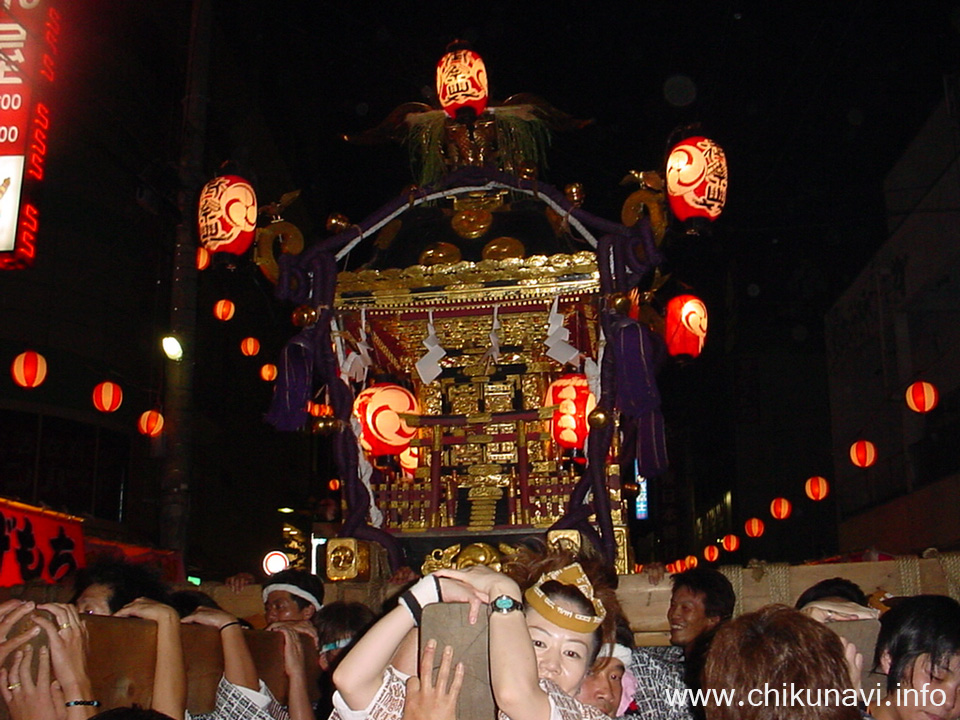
(776, 646)
(127, 582)
(132, 712)
(718, 596)
(833, 587)
(301, 579)
(186, 601)
(918, 625)
(340, 620)
(624, 635)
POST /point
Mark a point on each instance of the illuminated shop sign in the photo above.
(29, 34)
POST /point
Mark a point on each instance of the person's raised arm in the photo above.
(238, 665)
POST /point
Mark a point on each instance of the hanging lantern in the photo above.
(671, 568)
(922, 397)
(711, 553)
(319, 409)
(753, 527)
(29, 369)
(268, 372)
(462, 84)
(150, 423)
(203, 258)
(227, 216)
(816, 488)
(571, 393)
(410, 460)
(781, 508)
(730, 543)
(382, 432)
(638, 568)
(334, 485)
(697, 179)
(107, 396)
(686, 325)
(690, 562)
(223, 310)
(863, 453)
(250, 346)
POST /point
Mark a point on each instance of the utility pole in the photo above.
(178, 389)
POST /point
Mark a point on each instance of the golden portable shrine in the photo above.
(491, 367)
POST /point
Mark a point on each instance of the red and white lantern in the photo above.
(203, 258)
(753, 527)
(29, 369)
(730, 543)
(781, 508)
(711, 553)
(268, 372)
(863, 453)
(107, 397)
(224, 310)
(691, 561)
(816, 487)
(250, 346)
(382, 431)
(462, 83)
(150, 423)
(410, 460)
(686, 325)
(697, 179)
(227, 216)
(571, 393)
(922, 397)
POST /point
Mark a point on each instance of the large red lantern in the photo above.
(227, 216)
(571, 394)
(224, 310)
(711, 553)
(863, 453)
(922, 397)
(378, 408)
(150, 423)
(730, 543)
(686, 325)
(816, 487)
(107, 396)
(462, 84)
(753, 527)
(697, 179)
(781, 508)
(268, 372)
(29, 369)
(250, 346)
(410, 460)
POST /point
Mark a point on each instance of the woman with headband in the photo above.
(549, 616)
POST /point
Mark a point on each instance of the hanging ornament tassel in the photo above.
(557, 335)
(428, 366)
(358, 363)
(493, 352)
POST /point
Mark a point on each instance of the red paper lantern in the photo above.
(571, 394)
(319, 409)
(753, 527)
(410, 460)
(227, 216)
(250, 346)
(816, 487)
(638, 568)
(462, 83)
(711, 553)
(863, 453)
(671, 568)
(107, 396)
(730, 543)
(780, 508)
(686, 325)
(382, 432)
(29, 369)
(150, 423)
(697, 179)
(268, 372)
(203, 258)
(922, 397)
(334, 485)
(691, 561)
(223, 310)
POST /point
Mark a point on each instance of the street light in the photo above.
(172, 347)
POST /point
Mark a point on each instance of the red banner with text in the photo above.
(38, 544)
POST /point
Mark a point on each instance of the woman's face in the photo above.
(563, 656)
(95, 600)
(929, 693)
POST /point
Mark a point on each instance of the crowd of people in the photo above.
(559, 648)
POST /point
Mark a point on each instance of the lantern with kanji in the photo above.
(781, 508)
(107, 396)
(686, 325)
(730, 543)
(711, 553)
(753, 527)
(382, 431)
(29, 369)
(268, 372)
(227, 216)
(462, 84)
(223, 310)
(150, 423)
(696, 179)
(816, 487)
(922, 397)
(863, 453)
(250, 346)
(571, 394)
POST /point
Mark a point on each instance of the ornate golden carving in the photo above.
(479, 553)
(347, 559)
(569, 540)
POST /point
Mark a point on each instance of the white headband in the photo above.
(618, 651)
(293, 590)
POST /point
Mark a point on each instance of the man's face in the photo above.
(603, 686)
(281, 606)
(95, 600)
(688, 617)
